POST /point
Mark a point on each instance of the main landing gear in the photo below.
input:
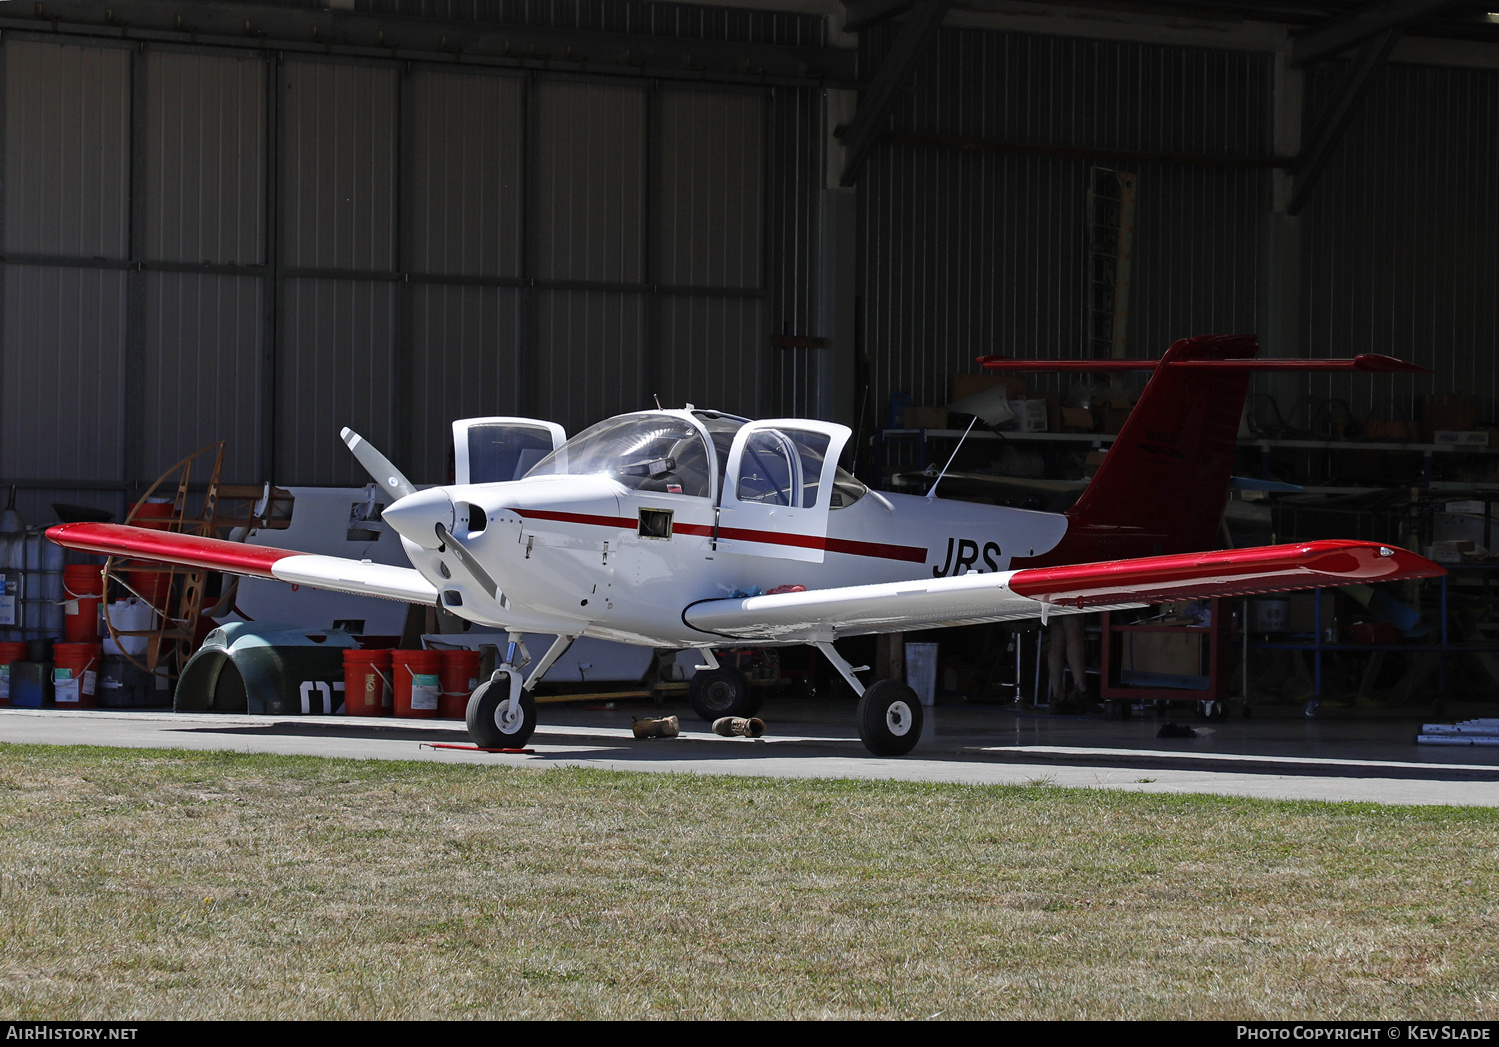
(717, 690)
(889, 716)
(501, 712)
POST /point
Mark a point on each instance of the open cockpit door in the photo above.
(778, 486)
(489, 450)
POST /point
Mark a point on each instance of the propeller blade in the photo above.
(377, 465)
(470, 562)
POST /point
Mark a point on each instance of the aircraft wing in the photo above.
(1010, 595)
(321, 572)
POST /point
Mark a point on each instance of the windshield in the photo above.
(648, 452)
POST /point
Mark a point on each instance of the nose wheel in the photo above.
(501, 715)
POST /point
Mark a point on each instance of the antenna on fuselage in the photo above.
(657, 398)
(932, 491)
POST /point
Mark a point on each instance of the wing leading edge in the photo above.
(1011, 595)
(322, 572)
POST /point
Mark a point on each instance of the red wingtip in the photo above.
(1379, 364)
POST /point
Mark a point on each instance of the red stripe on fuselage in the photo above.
(876, 550)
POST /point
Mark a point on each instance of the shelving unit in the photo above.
(886, 440)
(1443, 646)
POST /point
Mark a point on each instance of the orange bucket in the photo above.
(75, 674)
(367, 690)
(10, 651)
(459, 677)
(83, 588)
(418, 683)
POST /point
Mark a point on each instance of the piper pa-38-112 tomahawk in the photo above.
(651, 528)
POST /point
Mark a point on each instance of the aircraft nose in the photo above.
(416, 516)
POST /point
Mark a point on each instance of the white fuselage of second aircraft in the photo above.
(616, 533)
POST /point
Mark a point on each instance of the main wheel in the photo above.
(494, 721)
(889, 718)
(720, 692)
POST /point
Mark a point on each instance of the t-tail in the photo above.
(1162, 486)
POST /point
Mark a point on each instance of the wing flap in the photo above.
(323, 572)
(972, 599)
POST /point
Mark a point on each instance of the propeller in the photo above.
(470, 562)
(415, 514)
(377, 465)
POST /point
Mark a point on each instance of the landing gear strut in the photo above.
(501, 712)
(889, 715)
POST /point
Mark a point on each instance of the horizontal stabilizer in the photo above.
(1367, 363)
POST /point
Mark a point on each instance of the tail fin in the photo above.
(1162, 486)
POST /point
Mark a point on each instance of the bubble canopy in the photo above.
(665, 451)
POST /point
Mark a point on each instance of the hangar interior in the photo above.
(259, 222)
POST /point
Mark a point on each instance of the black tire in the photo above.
(720, 692)
(889, 718)
(485, 716)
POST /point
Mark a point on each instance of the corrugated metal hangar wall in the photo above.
(206, 241)
(263, 247)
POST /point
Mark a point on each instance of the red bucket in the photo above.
(367, 690)
(75, 674)
(418, 683)
(83, 588)
(459, 677)
(10, 651)
(152, 586)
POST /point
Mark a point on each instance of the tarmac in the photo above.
(1343, 754)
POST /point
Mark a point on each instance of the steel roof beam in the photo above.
(351, 33)
(1335, 117)
(859, 138)
(1339, 34)
(861, 14)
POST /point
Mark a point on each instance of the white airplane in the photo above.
(695, 529)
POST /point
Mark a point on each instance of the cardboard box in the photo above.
(1394, 432)
(1302, 615)
(1447, 411)
(965, 385)
(1076, 420)
(1030, 416)
(924, 418)
(1175, 655)
(1116, 411)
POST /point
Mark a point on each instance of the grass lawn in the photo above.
(141, 884)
